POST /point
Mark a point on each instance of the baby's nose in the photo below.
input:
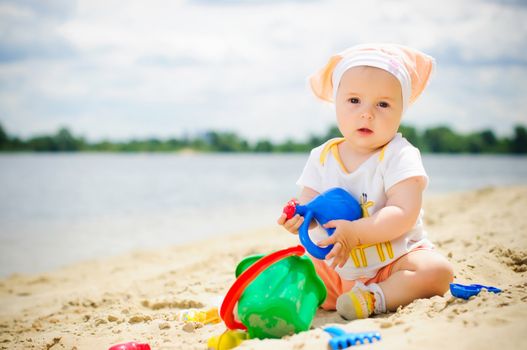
(367, 115)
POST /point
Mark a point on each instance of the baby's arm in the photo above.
(404, 201)
(402, 208)
(292, 225)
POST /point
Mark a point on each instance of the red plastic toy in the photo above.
(130, 346)
(290, 208)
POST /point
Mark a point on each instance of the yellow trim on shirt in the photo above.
(389, 249)
(380, 252)
(363, 262)
(332, 146)
(354, 257)
(381, 155)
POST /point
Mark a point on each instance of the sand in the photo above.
(92, 305)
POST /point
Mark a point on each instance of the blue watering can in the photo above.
(333, 204)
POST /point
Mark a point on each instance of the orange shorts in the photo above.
(336, 286)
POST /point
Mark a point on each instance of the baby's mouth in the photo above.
(365, 131)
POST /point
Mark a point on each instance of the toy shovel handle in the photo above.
(243, 280)
(312, 248)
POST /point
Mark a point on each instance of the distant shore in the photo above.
(438, 139)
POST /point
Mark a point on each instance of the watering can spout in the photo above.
(301, 210)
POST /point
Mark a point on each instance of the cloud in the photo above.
(468, 99)
(27, 30)
(108, 70)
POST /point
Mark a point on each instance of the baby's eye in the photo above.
(353, 100)
(383, 104)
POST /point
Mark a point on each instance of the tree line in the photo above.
(440, 139)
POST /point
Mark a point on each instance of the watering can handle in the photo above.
(236, 290)
(312, 248)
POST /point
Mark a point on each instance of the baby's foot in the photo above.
(357, 303)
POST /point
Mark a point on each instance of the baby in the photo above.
(383, 260)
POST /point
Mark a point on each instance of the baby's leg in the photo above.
(418, 274)
(335, 285)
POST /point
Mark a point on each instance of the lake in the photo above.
(57, 209)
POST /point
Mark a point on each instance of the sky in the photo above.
(118, 70)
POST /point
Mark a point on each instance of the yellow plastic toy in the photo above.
(195, 315)
(227, 340)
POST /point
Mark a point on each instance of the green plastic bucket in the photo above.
(282, 299)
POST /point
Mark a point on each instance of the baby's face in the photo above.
(369, 107)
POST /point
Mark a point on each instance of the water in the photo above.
(61, 208)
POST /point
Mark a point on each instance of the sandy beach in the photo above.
(135, 297)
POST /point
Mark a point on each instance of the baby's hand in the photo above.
(343, 240)
(292, 225)
(288, 219)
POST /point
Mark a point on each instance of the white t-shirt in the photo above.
(397, 161)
